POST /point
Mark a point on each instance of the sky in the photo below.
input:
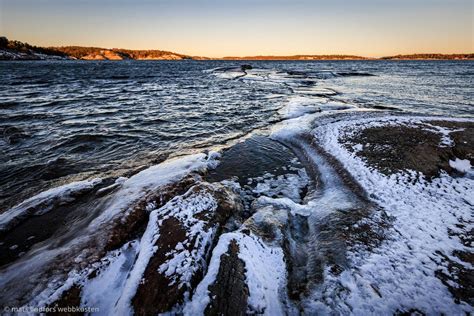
(217, 28)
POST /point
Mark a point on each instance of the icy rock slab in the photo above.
(156, 273)
(247, 272)
(174, 248)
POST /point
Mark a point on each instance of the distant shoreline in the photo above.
(16, 50)
(48, 58)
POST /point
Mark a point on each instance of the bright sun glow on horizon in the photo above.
(216, 28)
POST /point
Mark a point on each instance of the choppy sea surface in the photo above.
(61, 118)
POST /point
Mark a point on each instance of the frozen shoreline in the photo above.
(336, 210)
(426, 242)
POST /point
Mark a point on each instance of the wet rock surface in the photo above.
(250, 159)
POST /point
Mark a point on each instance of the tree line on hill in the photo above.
(79, 52)
(26, 48)
(431, 56)
(296, 57)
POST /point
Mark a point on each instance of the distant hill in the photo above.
(96, 53)
(431, 56)
(16, 50)
(353, 57)
(299, 57)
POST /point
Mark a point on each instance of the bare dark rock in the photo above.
(355, 74)
(229, 291)
(69, 298)
(392, 149)
(385, 107)
(246, 67)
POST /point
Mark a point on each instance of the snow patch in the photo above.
(461, 165)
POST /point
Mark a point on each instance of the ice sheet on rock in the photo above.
(146, 249)
(401, 273)
(265, 275)
(151, 179)
(289, 128)
(299, 106)
(117, 183)
(37, 262)
(288, 185)
(104, 290)
(335, 105)
(118, 275)
(331, 200)
(45, 201)
(227, 73)
(284, 203)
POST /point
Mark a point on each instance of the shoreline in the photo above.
(330, 206)
(240, 217)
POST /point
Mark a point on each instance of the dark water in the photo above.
(66, 120)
